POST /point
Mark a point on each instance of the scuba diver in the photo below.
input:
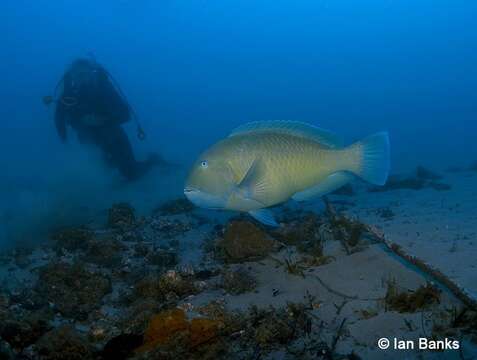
(92, 103)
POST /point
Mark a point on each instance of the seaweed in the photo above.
(410, 302)
(294, 267)
(243, 240)
(304, 233)
(171, 331)
(167, 287)
(238, 281)
(106, 251)
(121, 216)
(64, 343)
(72, 239)
(72, 289)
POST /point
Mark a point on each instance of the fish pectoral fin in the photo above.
(329, 184)
(264, 216)
(253, 185)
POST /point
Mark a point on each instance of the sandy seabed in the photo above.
(330, 283)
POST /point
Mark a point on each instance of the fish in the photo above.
(265, 163)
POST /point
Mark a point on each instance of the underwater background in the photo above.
(195, 70)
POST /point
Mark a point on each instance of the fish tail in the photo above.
(370, 158)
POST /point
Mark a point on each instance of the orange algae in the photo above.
(170, 326)
(163, 327)
(203, 330)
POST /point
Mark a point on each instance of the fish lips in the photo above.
(203, 199)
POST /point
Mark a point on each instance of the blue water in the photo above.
(194, 70)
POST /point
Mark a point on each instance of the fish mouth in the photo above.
(203, 199)
(190, 190)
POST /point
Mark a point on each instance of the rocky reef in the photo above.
(125, 290)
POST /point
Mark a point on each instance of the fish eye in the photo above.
(204, 164)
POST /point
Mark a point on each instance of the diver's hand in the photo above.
(93, 120)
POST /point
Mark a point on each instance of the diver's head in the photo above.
(83, 73)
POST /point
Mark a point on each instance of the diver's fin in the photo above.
(265, 216)
(296, 128)
(370, 158)
(253, 185)
(330, 184)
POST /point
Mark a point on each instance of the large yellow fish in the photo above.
(265, 163)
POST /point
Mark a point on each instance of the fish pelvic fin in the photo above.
(264, 216)
(369, 158)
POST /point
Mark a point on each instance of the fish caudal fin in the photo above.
(370, 158)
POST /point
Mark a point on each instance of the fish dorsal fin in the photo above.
(295, 128)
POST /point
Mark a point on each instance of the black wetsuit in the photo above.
(101, 100)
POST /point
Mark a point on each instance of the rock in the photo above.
(72, 239)
(121, 346)
(74, 291)
(28, 299)
(424, 179)
(6, 352)
(396, 182)
(4, 301)
(304, 233)
(238, 281)
(21, 255)
(138, 315)
(63, 343)
(175, 207)
(243, 240)
(166, 287)
(426, 174)
(162, 258)
(22, 331)
(169, 228)
(105, 252)
(121, 216)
